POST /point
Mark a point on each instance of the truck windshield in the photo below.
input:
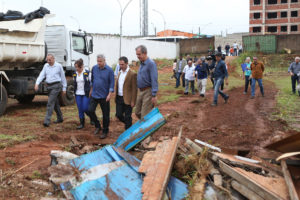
(78, 43)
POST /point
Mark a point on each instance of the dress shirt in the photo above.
(295, 68)
(103, 81)
(53, 74)
(180, 66)
(121, 81)
(189, 72)
(147, 76)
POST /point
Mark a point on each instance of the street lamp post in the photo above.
(79, 29)
(121, 21)
(164, 22)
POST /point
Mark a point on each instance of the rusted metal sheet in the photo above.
(140, 130)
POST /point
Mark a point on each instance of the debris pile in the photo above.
(206, 171)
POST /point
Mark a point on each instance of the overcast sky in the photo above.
(103, 16)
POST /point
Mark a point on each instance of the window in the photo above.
(257, 29)
(283, 29)
(294, 1)
(272, 1)
(272, 29)
(294, 13)
(272, 15)
(78, 43)
(283, 14)
(283, 1)
(256, 15)
(294, 28)
(256, 2)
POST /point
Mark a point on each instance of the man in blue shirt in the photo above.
(55, 79)
(147, 82)
(102, 81)
(294, 71)
(220, 73)
(202, 72)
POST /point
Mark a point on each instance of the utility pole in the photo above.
(144, 17)
(121, 23)
(199, 31)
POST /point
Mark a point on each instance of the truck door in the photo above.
(79, 49)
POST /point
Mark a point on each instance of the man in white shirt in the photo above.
(188, 73)
(54, 76)
(126, 92)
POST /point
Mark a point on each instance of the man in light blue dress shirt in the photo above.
(55, 79)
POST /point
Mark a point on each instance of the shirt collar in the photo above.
(125, 70)
(145, 62)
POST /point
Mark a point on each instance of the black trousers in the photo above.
(105, 107)
(247, 82)
(294, 79)
(123, 112)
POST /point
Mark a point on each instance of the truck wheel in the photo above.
(69, 98)
(25, 99)
(3, 101)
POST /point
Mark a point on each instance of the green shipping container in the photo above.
(260, 43)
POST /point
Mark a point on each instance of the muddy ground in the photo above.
(242, 124)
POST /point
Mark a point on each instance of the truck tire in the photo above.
(69, 98)
(25, 99)
(3, 101)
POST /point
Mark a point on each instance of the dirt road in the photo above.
(242, 124)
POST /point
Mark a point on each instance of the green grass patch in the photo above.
(288, 104)
(9, 140)
(37, 175)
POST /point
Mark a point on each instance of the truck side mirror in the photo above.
(89, 44)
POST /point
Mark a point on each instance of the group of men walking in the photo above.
(199, 71)
(96, 87)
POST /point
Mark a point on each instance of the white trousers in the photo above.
(202, 85)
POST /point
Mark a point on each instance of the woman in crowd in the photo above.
(81, 90)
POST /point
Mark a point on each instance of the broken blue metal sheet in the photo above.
(179, 190)
(112, 173)
(104, 175)
(121, 183)
(140, 130)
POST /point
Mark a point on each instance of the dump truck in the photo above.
(23, 51)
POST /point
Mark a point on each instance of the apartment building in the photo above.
(274, 17)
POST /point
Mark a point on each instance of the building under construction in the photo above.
(274, 17)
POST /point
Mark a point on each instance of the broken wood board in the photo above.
(246, 192)
(289, 181)
(157, 166)
(268, 188)
(286, 145)
(295, 174)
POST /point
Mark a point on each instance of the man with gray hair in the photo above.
(55, 81)
(102, 81)
(146, 82)
(294, 71)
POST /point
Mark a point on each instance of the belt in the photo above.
(50, 84)
(143, 89)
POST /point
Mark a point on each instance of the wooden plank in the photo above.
(289, 181)
(289, 144)
(157, 166)
(257, 183)
(246, 192)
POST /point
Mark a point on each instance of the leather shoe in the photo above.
(58, 121)
(103, 135)
(226, 99)
(46, 125)
(97, 131)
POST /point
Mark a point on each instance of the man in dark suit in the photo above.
(126, 92)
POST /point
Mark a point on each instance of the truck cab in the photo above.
(23, 51)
